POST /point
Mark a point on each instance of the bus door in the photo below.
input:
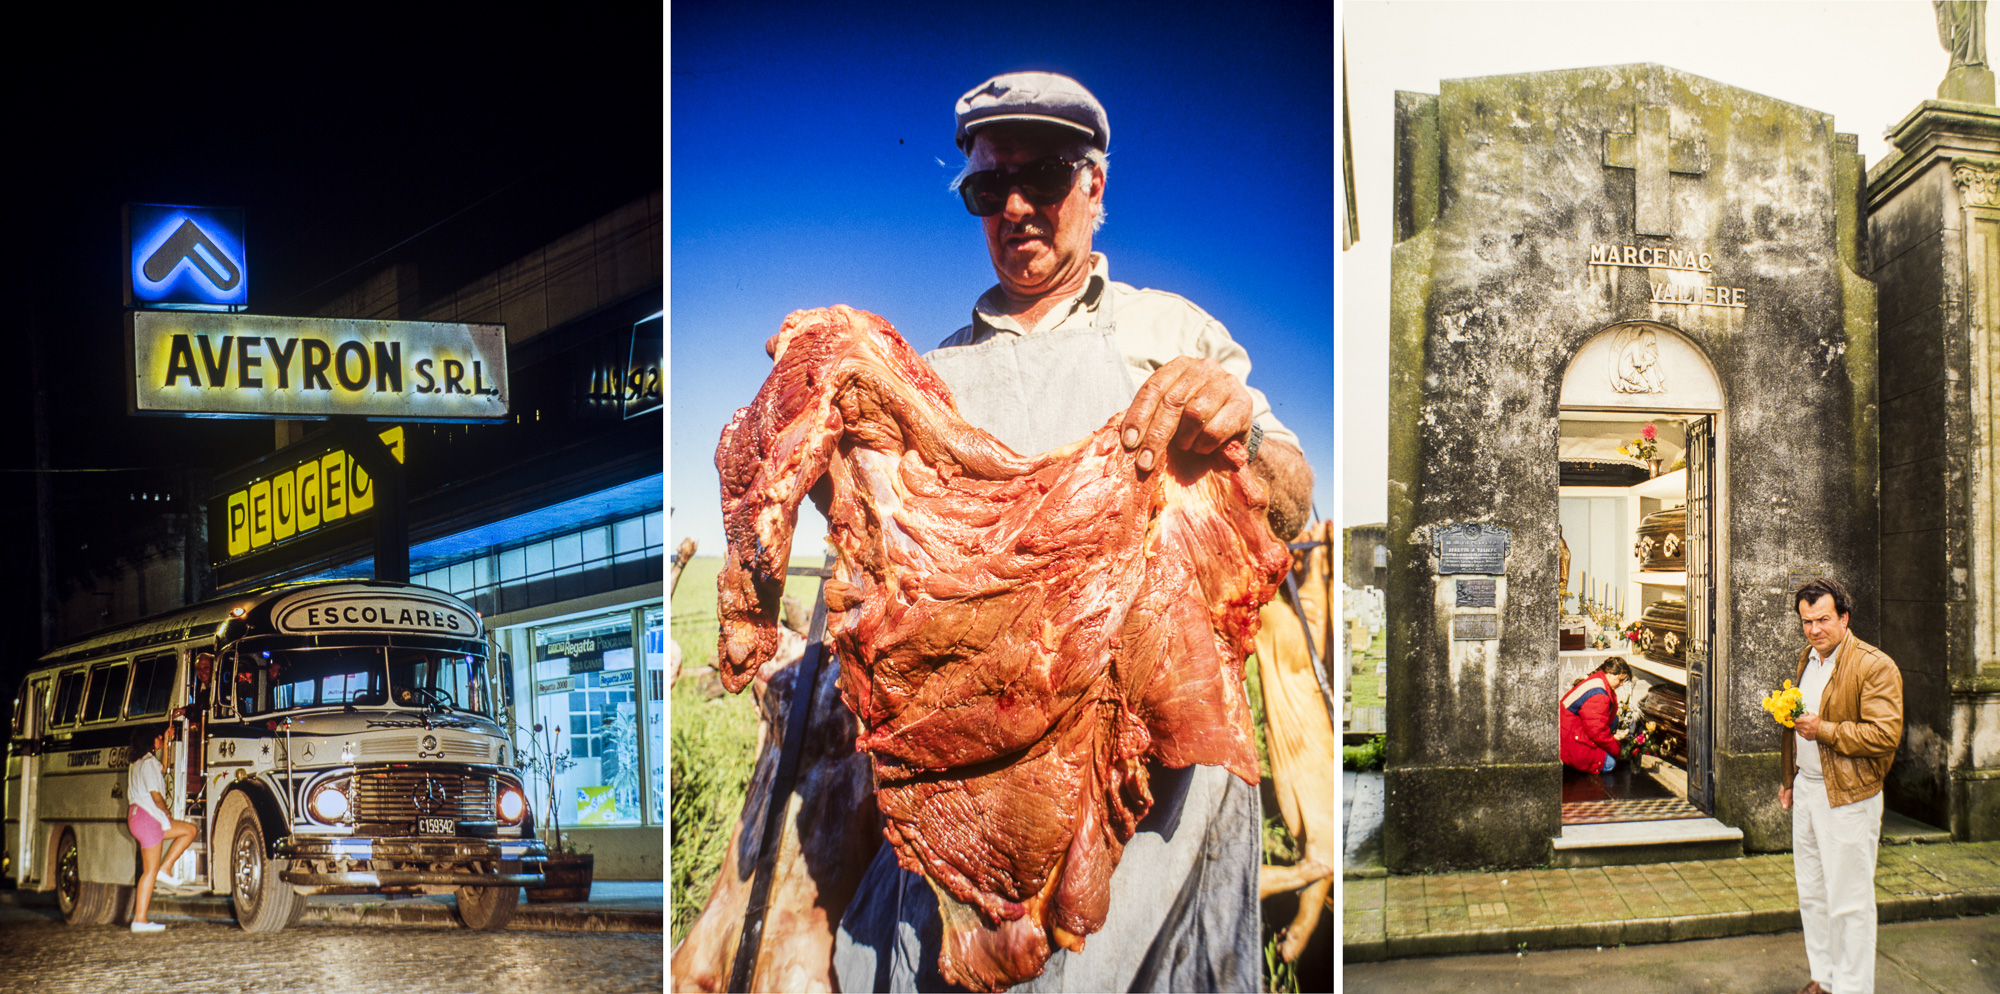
(34, 726)
(219, 745)
(196, 676)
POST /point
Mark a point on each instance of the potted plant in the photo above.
(566, 875)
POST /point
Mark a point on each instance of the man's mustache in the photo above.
(1025, 229)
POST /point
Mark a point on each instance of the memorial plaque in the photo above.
(1474, 627)
(1476, 592)
(1473, 548)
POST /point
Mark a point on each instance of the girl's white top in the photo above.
(145, 778)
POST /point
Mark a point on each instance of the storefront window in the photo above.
(585, 691)
(656, 708)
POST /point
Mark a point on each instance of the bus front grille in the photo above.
(399, 797)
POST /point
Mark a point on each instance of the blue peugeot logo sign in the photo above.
(189, 257)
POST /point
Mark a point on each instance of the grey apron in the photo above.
(1043, 389)
(1184, 914)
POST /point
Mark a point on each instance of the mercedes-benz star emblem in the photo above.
(429, 797)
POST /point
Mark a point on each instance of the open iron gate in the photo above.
(1701, 612)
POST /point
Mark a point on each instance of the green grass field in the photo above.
(1367, 687)
(714, 748)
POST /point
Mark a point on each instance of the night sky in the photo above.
(457, 139)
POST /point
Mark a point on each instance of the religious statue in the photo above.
(1635, 362)
(1961, 28)
(1563, 560)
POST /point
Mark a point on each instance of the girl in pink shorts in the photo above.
(147, 817)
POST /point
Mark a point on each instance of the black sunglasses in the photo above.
(1043, 181)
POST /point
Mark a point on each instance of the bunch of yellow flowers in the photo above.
(1786, 705)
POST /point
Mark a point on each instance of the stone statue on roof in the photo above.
(1961, 28)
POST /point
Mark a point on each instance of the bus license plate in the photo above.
(436, 826)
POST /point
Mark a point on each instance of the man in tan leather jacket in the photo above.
(1834, 764)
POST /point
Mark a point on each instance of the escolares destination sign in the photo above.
(195, 364)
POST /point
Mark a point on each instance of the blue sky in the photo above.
(810, 148)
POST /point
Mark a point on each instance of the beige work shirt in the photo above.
(1154, 328)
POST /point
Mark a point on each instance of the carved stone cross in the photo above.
(1652, 154)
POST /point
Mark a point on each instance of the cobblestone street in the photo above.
(39, 953)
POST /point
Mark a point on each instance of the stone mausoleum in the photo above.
(1661, 350)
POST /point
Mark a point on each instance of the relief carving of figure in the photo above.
(1961, 28)
(1670, 546)
(1672, 642)
(1635, 362)
(1644, 547)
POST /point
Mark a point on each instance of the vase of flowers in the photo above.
(1646, 447)
(1630, 633)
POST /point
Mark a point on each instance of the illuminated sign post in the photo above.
(185, 257)
(196, 364)
(294, 501)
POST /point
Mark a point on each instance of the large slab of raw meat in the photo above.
(1018, 635)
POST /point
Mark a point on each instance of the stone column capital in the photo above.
(1978, 181)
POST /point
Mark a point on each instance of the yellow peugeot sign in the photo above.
(204, 364)
(295, 501)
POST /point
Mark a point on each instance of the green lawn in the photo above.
(714, 746)
(1366, 686)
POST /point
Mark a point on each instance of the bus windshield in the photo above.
(362, 676)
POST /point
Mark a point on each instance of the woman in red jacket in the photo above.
(1588, 711)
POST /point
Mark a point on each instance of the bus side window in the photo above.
(152, 685)
(69, 698)
(18, 727)
(107, 691)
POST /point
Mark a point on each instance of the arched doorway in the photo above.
(1642, 427)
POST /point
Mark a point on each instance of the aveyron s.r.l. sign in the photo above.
(204, 364)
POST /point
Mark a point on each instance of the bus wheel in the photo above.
(81, 902)
(487, 909)
(264, 902)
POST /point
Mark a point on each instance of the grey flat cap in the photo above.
(1032, 96)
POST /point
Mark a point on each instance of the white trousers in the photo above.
(1833, 857)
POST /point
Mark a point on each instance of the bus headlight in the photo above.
(511, 805)
(329, 802)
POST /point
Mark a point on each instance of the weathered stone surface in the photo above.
(1753, 805)
(1494, 291)
(1913, 499)
(1909, 565)
(1934, 221)
(1917, 779)
(1489, 815)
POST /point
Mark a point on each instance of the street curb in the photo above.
(1674, 928)
(429, 914)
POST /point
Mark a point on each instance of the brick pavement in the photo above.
(1437, 914)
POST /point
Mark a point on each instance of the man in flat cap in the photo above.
(1053, 350)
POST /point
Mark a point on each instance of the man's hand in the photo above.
(1808, 726)
(1785, 798)
(1190, 403)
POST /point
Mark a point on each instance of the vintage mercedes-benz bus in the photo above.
(336, 737)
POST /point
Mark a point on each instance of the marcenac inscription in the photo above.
(1650, 257)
